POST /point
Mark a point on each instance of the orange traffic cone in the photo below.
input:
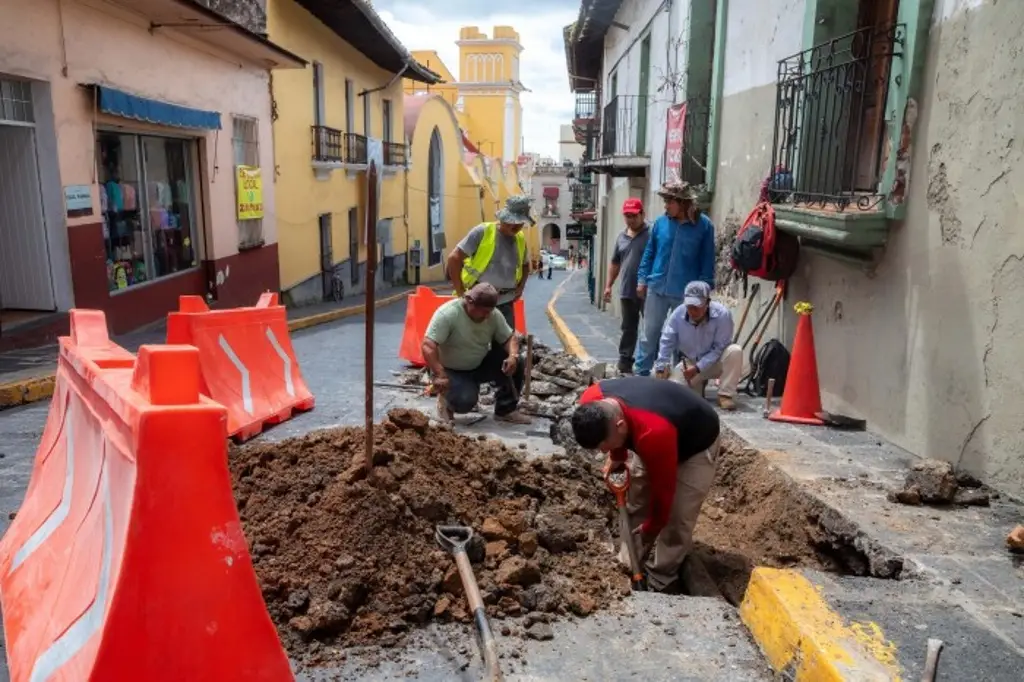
(801, 399)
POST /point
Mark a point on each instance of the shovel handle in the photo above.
(453, 539)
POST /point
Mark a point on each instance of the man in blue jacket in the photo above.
(680, 250)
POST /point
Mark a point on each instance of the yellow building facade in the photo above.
(484, 100)
(327, 119)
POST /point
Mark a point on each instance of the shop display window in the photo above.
(147, 199)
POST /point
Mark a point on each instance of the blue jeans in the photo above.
(656, 310)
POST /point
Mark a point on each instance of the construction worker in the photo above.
(667, 436)
(495, 253)
(701, 331)
(469, 343)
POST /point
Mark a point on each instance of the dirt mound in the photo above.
(351, 564)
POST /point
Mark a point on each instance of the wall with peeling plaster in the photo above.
(925, 345)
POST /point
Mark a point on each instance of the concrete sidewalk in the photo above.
(931, 572)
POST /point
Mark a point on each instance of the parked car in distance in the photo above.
(558, 263)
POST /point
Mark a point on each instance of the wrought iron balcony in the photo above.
(624, 126)
(584, 200)
(585, 122)
(829, 120)
(328, 144)
(355, 149)
(394, 154)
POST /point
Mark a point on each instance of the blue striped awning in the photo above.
(117, 103)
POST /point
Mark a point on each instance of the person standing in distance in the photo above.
(629, 249)
(680, 249)
(495, 253)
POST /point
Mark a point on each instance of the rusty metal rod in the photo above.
(529, 366)
(371, 281)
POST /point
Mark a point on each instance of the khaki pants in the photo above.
(693, 481)
(728, 370)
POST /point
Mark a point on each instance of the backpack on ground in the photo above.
(761, 250)
(770, 361)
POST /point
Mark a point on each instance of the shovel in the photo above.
(453, 539)
(620, 488)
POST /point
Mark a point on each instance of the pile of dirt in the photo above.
(346, 563)
(754, 515)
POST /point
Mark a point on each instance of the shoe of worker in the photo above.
(514, 417)
(726, 402)
(625, 367)
(444, 414)
(674, 587)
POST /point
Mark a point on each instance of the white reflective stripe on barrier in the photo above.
(289, 384)
(57, 516)
(246, 388)
(89, 623)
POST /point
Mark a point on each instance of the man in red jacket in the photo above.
(672, 434)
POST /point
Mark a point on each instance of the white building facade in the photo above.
(890, 150)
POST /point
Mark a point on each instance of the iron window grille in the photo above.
(829, 120)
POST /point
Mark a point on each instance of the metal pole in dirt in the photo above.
(371, 280)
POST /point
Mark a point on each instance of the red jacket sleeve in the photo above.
(658, 450)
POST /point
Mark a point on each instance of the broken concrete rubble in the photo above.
(934, 481)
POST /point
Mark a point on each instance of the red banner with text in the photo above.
(675, 120)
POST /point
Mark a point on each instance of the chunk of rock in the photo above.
(972, 497)
(934, 479)
(582, 604)
(518, 571)
(540, 631)
(452, 582)
(493, 530)
(555, 534)
(496, 550)
(528, 544)
(410, 420)
(1015, 540)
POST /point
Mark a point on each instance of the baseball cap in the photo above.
(483, 295)
(696, 293)
(632, 205)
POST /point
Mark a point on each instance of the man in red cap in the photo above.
(629, 249)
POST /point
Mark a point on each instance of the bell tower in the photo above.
(489, 89)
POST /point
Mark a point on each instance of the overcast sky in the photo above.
(434, 25)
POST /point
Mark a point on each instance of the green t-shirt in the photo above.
(464, 343)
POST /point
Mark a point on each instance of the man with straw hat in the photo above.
(495, 253)
(680, 250)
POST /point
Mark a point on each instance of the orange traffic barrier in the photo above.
(801, 401)
(127, 561)
(248, 364)
(422, 305)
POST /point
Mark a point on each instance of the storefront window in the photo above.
(148, 204)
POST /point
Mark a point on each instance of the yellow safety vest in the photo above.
(474, 266)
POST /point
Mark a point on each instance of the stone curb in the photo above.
(34, 389)
(800, 635)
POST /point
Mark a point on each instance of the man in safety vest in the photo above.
(495, 253)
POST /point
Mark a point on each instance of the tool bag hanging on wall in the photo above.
(762, 251)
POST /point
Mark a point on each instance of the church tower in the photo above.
(489, 88)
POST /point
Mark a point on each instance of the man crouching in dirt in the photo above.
(458, 350)
(668, 437)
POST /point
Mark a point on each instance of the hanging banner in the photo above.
(249, 192)
(675, 120)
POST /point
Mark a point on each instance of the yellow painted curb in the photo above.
(569, 340)
(26, 391)
(802, 636)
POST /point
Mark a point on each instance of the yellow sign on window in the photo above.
(250, 193)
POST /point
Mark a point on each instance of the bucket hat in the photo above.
(516, 210)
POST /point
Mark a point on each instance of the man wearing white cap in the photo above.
(701, 331)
